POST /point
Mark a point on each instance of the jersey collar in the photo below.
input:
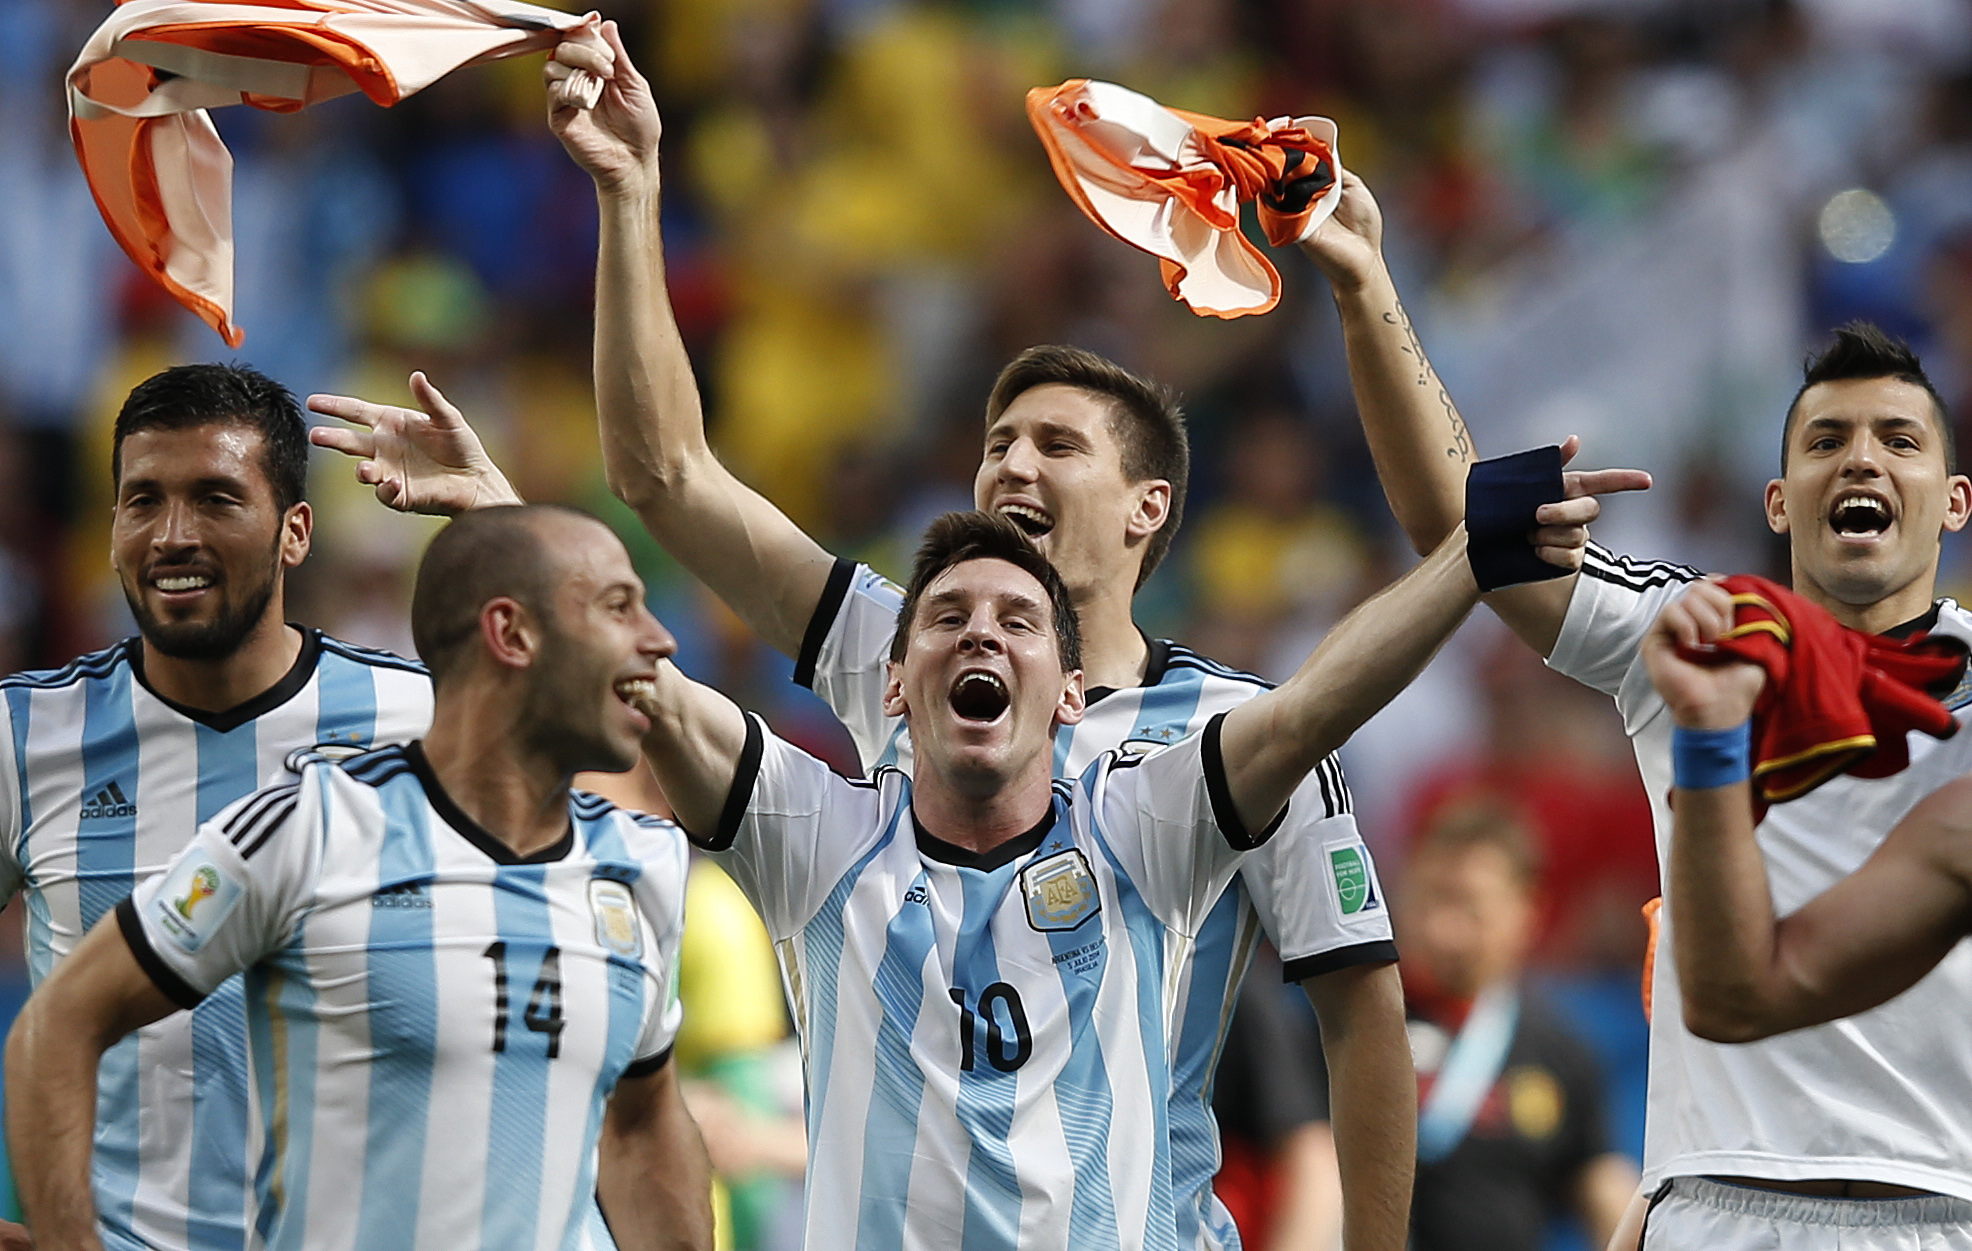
(993, 857)
(239, 714)
(1158, 660)
(472, 831)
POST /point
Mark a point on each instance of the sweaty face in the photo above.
(1865, 495)
(197, 540)
(1053, 465)
(588, 691)
(981, 682)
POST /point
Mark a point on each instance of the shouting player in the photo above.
(1802, 1134)
(985, 961)
(118, 757)
(458, 974)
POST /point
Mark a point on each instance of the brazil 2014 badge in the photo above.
(193, 900)
(616, 918)
(1061, 892)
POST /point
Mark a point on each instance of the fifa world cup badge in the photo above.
(1061, 892)
(617, 930)
(193, 900)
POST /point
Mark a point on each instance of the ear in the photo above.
(1152, 511)
(508, 631)
(1958, 505)
(1776, 506)
(297, 531)
(893, 691)
(1069, 709)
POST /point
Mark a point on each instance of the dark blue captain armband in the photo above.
(1501, 496)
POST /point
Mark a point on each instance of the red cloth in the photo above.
(1836, 700)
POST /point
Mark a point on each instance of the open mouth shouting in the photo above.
(980, 695)
(1860, 515)
(1032, 520)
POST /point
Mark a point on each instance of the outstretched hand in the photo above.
(1562, 536)
(419, 462)
(616, 141)
(1348, 246)
(1700, 696)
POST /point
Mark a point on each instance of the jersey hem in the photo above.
(1301, 968)
(162, 975)
(1793, 1168)
(827, 609)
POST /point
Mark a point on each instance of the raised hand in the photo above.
(1563, 534)
(419, 462)
(1700, 696)
(616, 141)
(1348, 247)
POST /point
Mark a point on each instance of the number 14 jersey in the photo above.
(987, 1037)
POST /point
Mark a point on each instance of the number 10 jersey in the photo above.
(987, 1037)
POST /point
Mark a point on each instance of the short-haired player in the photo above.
(460, 974)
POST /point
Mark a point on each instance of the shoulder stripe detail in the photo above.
(364, 767)
(1183, 657)
(244, 819)
(373, 656)
(275, 820)
(250, 829)
(94, 666)
(1636, 575)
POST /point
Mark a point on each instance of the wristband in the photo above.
(1501, 496)
(1704, 759)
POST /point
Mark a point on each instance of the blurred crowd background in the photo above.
(1623, 219)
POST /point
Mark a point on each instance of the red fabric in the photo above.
(1836, 700)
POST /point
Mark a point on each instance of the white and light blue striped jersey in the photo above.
(107, 782)
(987, 1038)
(1312, 887)
(435, 1023)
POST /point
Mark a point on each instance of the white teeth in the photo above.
(634, 690)
(991, 679)
(1860, 514)
(185, 583)
(1036, 519)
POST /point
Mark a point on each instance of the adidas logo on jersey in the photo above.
(401, 895)
(108, 803)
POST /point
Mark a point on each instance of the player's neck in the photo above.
(965, 816)
(1905, 604)
(516, 795)
(1114, 653)
(261, 660)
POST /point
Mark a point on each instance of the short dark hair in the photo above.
(1863, 349)
(1483, 821)
(481, 555)
(958, 537)
(1144, 416)
(186, 396)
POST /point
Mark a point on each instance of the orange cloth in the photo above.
(139, 91)
(1836, 700)
(1171, 183)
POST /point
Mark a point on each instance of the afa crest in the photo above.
(617, 929)
(1061, 892)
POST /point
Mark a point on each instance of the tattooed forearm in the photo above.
(1460, 447)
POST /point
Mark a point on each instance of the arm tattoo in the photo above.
(1461, 444)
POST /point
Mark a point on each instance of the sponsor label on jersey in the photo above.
(195, 900)
(615, 911)
(1061, 892)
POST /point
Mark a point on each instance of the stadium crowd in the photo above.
(1621, 220)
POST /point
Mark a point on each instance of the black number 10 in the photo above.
(543, 1014)
(998, 995)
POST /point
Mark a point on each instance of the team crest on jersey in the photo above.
(1061, 892)
(194, 900)
(617, 930)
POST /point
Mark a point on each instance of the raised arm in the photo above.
(1421, 445)
(97, 995)
(655, 452)
(423, 460)
(696, 738)
(1865, 940)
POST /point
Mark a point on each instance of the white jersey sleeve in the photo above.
(845, 656)
(791, 828)
(1616, 599)
(1189, 838)
(1315, 888)
(12, 874)
(235, 893)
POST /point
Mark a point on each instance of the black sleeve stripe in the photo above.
(276, 818)
(244, 821)
(1382, 951)
(827, 609)
(648, 1065)
(1220, 793)
(161, 974)
(745, 774)
(1335, 788)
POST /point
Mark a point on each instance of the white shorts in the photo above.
(1701, 1215)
